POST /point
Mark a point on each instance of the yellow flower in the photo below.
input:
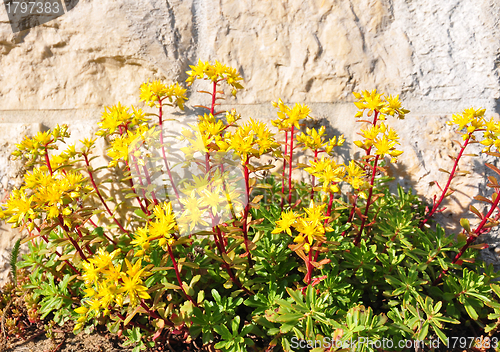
(288, 219)
(103, 258)
(164, 224)
(90, 273)
(141, 239)
(290, 117)
(152, 92)
(113, 117)
(193, 214)
(313, 139)
(471, 119)
(383, 145)
(132, 286)
(460, 120)
(371, 101)
(215, 72)
(251, 139)
(328, 172)
(119, 150)
(19, 206)
(393, 107)
(136, 269)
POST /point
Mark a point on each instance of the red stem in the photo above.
(309, 266)
(73, 242)
(214, 97)
(374, 123)
(284, 169)
(100, 196)
(313, 178)
(139, 178)
(177, 274)
(57, 253)
(165, 161)
(219, 242)
(47, 160)
(148, 179)
(328, 213)
(443, 194)
(329, 210)
(247, 210)
(290, 167)
(86, 246)
(351, 215)
(370, 193)
(153, 314)
(472, 237)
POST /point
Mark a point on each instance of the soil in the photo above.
(67, 342)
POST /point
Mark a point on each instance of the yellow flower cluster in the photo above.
(328, 172)
(127, 144)
(45, 193)
(204, 136)
(309, 226)
(383, 138)
(118, 117)
(161, 229)
(373, 101)
(288, 117)
(331, 174)
(206, 197)
(313, 139)
(108, 286)
(355, 176)
(491, 135)
(215, 72)
(153, 92)
(31, 147)
(251, 139)
(473, 120)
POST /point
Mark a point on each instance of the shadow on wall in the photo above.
(26, 14)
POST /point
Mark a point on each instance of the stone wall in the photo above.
(440, 56)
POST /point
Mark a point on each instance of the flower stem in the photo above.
(73, 242)
(351, 214)
(165, 161)
(177, 274)
(214, 98)
(75, 270)
(290, 167)
(284, 169)
(471, 238)
(47, 160)
(370, 193)
(148, 179)
(313, 178)
(445, 190)
(246, 211)
(96, 189)
(309, 266)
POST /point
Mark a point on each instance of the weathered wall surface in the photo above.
(440, 56)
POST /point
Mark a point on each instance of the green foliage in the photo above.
(13, 260)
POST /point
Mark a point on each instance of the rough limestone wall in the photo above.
(440, 56)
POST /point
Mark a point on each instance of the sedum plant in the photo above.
(193, 238)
